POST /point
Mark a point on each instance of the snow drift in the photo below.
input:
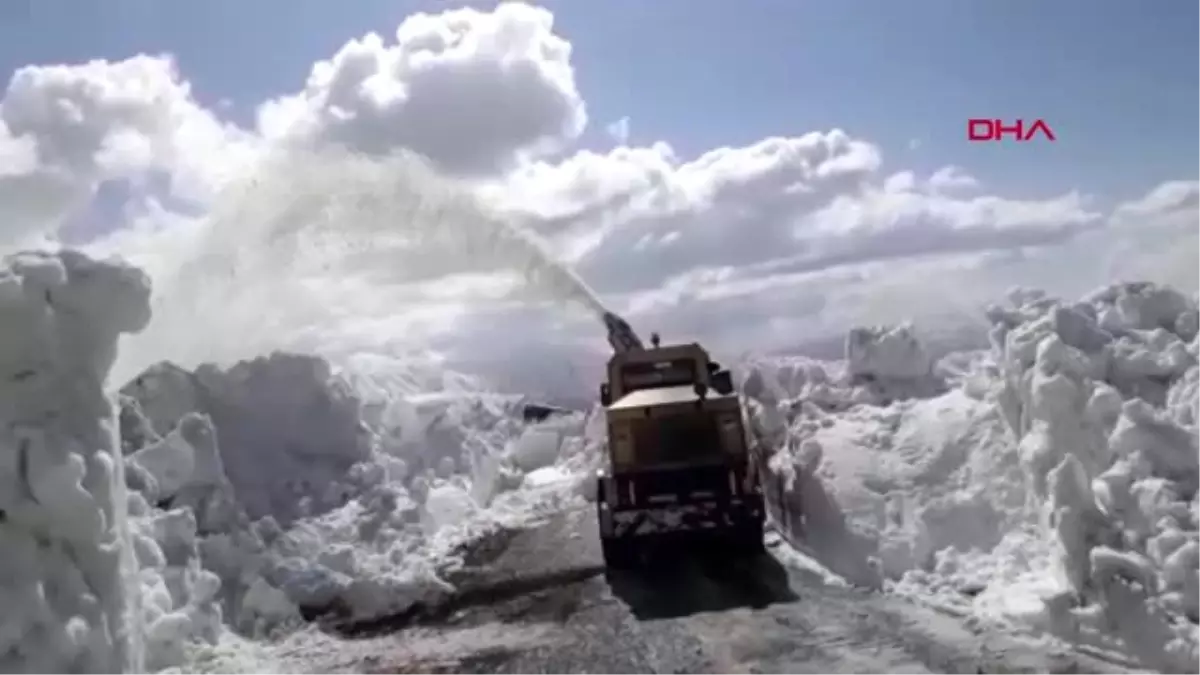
(314, 493)
(62, 529)
(240, 499)
(1054, 478)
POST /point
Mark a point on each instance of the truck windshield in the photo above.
(676, 439)
(671, 373)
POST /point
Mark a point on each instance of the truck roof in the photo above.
(643, 398)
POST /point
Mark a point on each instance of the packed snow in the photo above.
(62, 521)
(1050, 483)
(256, 494)
(325, 494)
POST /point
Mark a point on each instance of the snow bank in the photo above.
(248, 498)
(1055, 479)
(306, 490)
(886, 353)
(865, 471)
(314, 492)
(1086, 390)
(289, 430)
(61, 506)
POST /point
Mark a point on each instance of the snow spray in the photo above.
(307, 218)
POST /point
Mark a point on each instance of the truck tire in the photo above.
(618, 554)
(748, 539)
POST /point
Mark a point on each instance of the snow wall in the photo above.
(62, 522)
(1052, 480)
(142, 528)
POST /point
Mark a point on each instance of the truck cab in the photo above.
(678, 457)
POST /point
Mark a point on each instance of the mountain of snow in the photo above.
(255, 495)
(1052, 479)
(66, 565)
(1050, 482)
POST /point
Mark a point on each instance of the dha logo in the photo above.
(997, 130)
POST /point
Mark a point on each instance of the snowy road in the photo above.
(539, 602)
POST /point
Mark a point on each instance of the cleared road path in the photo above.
(538, 601)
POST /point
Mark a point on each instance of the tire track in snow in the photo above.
(542, 605)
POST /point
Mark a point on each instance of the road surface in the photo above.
(538, 601)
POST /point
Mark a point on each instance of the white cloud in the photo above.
(619, 131)
(951, 179)
(18, 154)
(67, 127)
(473, 91)
(662, 216)
(798, 204)
(1173, 198)
(755, 246)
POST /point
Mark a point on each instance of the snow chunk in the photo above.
(431, 472)
(1081, 389)
(447, 505)
(289, 429)
(1055, 483)
(536, 448)
(62, 315)
(887, 353)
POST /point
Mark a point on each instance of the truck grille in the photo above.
(684, 485)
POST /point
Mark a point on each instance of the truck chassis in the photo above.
(650, 511)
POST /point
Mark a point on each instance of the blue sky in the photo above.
(1117, 80)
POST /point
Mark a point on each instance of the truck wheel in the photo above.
(618, 554)
(748, 540)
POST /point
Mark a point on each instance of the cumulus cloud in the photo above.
(473, 91)
(760, 246)
(1173, 198)
(619, 131)
(782, 205)
(66, 128)
(733, 206)
(952, 178)
(1156, 236)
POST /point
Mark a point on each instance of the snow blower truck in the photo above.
(679, 465)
